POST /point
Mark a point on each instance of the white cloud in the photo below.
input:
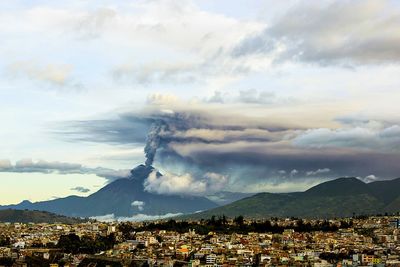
(93, 24)
(162, 99)
(370, 178)
(249, 96)
(319, 171)
(137, 42)
(185, 184)
(55, 74)
(252, 96)
(133, 218)
(5, 164)
(109, 174)
(294, 172)
(138, 204)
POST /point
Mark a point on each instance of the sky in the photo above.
(242, 96)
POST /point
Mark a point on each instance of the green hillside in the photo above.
(342, 197)
(34, 216)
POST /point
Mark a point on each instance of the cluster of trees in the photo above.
(334, 257)
(221, 225)
(6, 261)
(4, 241)
(72, 243)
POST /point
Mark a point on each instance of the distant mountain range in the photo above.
(127, 197)
(119, 198)
(342, 197)
(34, 216)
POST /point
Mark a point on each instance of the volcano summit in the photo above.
(122, 198)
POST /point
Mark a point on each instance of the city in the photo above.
(360, 241)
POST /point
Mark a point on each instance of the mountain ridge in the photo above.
(341, 197)
(35, 216)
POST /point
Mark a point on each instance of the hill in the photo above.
(342, 197)
(118, 198)
(34, 216)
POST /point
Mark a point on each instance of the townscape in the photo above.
(361, 241)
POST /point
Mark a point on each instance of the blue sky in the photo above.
(279, 96)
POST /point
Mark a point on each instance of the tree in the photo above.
(5, 241)
(127, 230)
(239, 220)
(70, 243)
(224, 220)
(6, 261)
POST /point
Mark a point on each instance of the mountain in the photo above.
(341, 197)
(34, 216)
(123, 198)
(225, 197)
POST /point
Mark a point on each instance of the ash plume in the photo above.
(153, 141)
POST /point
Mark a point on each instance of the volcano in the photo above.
(122, 198)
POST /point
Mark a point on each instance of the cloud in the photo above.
(162, 99)
(319, 171)
(160, 72)
(134, 218)
(54, 74)
(42, 166)
(111, 131)
(5, 164)
(332, 33)
(93, 24)
(217, 97)
(109, 174)
(370, 178)
(381, 137)
(249, 144)
(138, 204)
(184, 72)
(219, 135)
(27, 165)
(252, 96)
(248, 97)
(283, 186)
(80, 189)
(145, 37)
(185, 184)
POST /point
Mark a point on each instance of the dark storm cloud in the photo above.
(344, 33)
(266, 159)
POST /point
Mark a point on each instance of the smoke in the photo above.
(153, 141)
